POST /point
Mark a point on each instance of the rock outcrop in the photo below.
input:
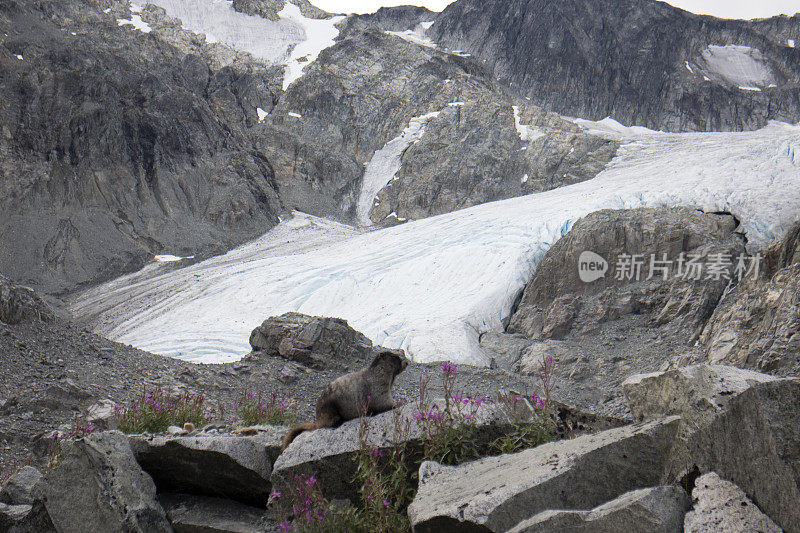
(757, 325)
(639, 62)
(557, 301)
(317, 342)
(98, 482)
(20, 303)
(497, 493)
(720, 505)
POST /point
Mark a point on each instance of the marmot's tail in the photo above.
(295, 431)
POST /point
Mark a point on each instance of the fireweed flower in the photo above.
(448, 368)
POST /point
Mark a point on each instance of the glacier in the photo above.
(433, 286)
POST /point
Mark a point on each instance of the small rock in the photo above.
(19, 489)
(189, 513)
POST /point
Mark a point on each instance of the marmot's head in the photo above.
(392, 360)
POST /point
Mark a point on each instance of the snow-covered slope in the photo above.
(434, 285)
(385, 163)
(294, 40)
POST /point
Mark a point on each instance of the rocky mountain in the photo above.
(641, 62)
(117, 145)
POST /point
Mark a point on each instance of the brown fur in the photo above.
(367, 391)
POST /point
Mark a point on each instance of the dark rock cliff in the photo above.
(639, 61)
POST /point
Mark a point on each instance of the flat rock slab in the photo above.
(720, 505)
(652, 510)
(225, 466)
(497, 493)
(98, 485)
(203, 514)
(329, 454)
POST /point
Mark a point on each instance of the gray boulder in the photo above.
(20, 487)
(20, 303)
(25, 518)
(202, 514)
(720, 505)
(98, 482)
(329, 454)
(497, 493)
(318, 342)
(652, 510)
(696, 393)
(557, 302)
(225, 466)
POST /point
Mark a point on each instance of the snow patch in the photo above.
(737, 65)
(137, 23)
(749, 88)
(320, 34)
(432, 286)
(526, 133)
(416, 36)
(294, 115)
(689, 67)
(261, 114)
(790, 42)
(525, 178)
(167, 258)
(455, 104)
(293, 40)
(611, 129)
(19, 56)
(385, 163)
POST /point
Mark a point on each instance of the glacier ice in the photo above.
(738, 65)
(432, 286)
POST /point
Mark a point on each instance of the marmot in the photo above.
(348, 395)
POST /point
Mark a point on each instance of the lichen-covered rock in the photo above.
(557, 301)
(225, 466)
(651, 510)
(720, 505)
(496, 493)
(98, 482)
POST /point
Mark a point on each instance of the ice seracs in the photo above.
(433, 286)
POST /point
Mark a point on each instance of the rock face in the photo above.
(270, 8)
(232, 467)
(720, 505)
(317, 342)
(117, 145)
(757, 325)
(25, 519)
(743, 427)
(471, 153)
(497, 493)
(657, 509)
(20, 303)
(585, 58)
(556, 301)
(98, 482)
